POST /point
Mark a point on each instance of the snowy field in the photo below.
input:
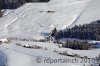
(13, 55)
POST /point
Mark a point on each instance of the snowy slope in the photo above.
(90, 13)
(33, 19)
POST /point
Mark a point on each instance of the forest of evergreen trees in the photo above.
(13, 4)
(78, 45)
(84, 32)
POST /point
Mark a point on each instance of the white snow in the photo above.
(90, 13)
(33, 20)
(4, 40)
(17, 55)
(28, 20)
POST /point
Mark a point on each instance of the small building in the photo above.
(4, 40)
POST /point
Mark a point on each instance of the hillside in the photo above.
(35, 21)
(90, 13)
(39, 18)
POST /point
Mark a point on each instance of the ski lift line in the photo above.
(6, 60)
(76, 19)
(7, 13)
(76, 12)
(50, 49)
(50, 46)
(50, 35)
(11, 22)
(53, 38)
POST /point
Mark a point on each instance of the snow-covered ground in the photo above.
(33, 19)
(90, 13)
(21, 56)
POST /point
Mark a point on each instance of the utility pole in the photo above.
(0, 8)
(50, 48)
(0, 13)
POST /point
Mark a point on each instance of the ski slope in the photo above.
(90, 13)
(33, 19)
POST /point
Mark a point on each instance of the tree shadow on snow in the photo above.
(3, 59)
